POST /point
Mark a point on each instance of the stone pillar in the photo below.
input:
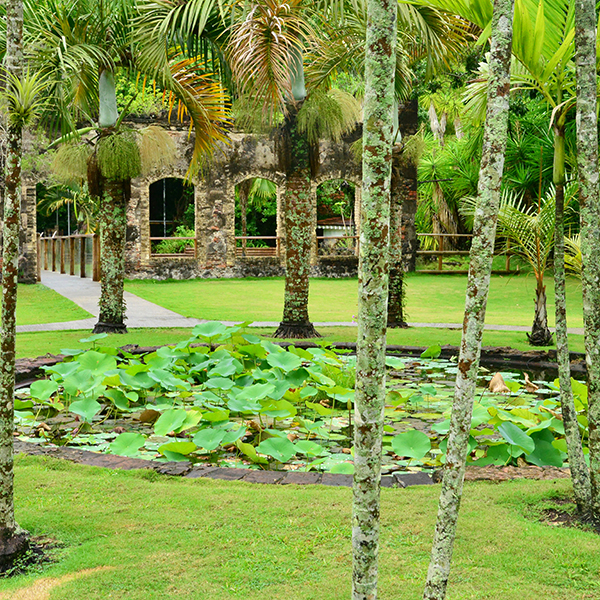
(28, 235)
(214, 223)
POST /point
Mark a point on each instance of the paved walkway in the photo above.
(144, 314)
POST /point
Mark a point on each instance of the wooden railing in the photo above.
(442, 253)
(79, 254)
(338, 245)
(272, 247)
(188, 251)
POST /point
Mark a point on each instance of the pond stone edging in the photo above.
(190, 471)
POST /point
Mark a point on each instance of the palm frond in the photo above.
(156, 147)
(328, 115)
(261, 51)
(70, 162)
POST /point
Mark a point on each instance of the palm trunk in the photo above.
(589, 202)
(113, 228)
(580, 474)
(13, 540)
(298, 234)
(540, 334)
(396, 297)
(482, 252)
(372, 293)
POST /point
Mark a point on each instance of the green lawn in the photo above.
(430, 298)
(156, 538)
(39, 343)
(38, 304)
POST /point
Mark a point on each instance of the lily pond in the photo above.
(232, 399)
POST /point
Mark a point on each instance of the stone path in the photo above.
(144, 314)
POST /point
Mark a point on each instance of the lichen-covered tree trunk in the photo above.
(298, 225)
(480, 269)
(589, 202)
(396, 295)
(113, 229)
(372, 293)
(579, 470)
(13, 540)
(540, 334)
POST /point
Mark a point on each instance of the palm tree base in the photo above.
(101, 327)
(296, 331)
(14, 544)
(540, 337)
(397, 325)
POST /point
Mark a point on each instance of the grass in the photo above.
(38, 304)
(430, 298)
(40, 343)
(160, 538)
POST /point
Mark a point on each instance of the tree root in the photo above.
(396, 325)
(540, 337)
(14, 544)
(296, 331)
(102, 327)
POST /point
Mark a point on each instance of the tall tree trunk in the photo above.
(589, 203)
(580, 474)
(396, 296)
(113, 229)
(380, 61)
(298, 226)
(13, 540)
(480, 269)
(540, 334)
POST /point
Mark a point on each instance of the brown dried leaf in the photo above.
(497, 385)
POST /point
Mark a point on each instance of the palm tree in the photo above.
(79, 46)
(20, 95)
(530, 229)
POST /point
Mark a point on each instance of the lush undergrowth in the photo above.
(154, 538)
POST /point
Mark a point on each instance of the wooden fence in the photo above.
(72, 254)
(441, 252)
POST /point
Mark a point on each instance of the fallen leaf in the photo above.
(497, 385)
(148, 416)
(530, 387)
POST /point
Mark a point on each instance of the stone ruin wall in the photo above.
(246, 156)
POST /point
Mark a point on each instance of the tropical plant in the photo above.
(573, 257)
(266, 54)
(75, 197)
(530, 230)
(255, 193)
(80, 47)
